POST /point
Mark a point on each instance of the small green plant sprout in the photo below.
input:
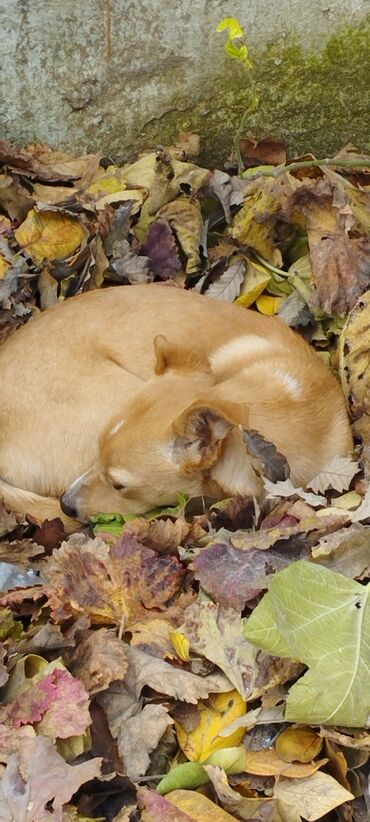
(237, 49)
(235, 46)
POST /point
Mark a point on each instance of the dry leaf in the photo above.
(184, 216)
(139, 735)
(99, 659)
(196, 807)
(312, 797)
(287, 489)
(164, 678)
(244, 807)
(298, 744)
(227, 286)
(49, 235)
(336, 475)
(268, 763)
(26, 795)
(217, 634)
(125, 581)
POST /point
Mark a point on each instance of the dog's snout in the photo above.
(67, 507)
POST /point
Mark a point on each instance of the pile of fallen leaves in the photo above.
(209, 661)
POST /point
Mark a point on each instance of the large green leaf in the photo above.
(323, 620)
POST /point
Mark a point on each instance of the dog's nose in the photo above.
(67, 508)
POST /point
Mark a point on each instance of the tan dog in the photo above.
(92, 390)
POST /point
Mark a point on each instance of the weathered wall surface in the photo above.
(117, 74)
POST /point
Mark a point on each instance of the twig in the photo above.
(328, 161)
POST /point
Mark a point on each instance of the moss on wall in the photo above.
(315, 102)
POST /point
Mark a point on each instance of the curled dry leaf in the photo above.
(139, 735)
(243, 807)
(144, 669)
(165, 535)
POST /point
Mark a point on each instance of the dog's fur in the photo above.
(93, 389)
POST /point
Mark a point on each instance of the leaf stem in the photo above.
(328, 161)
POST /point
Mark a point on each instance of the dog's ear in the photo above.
(179, 357)
(200, 432)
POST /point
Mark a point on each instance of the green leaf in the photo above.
(190, 775)
(322, 619)
(115, 523)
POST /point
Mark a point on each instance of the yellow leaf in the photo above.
(198, 807)
(3, 266)
(298, 744)
(267, 763)
(313, 797)
(135, 194)
(254, 225)
(216, 715)
(107, 182)
(4, 221)
(255, 281)
(181, 645)
(49, 235)
(268, 305)
(348, 501)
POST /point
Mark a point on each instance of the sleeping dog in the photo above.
(119, 398)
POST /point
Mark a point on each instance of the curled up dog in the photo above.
(118, 399)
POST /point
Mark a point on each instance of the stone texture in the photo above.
(117, 74)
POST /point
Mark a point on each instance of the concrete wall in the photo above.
(117, 74)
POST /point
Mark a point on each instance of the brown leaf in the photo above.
(233, 576)
(227, 286)
(232, 513)
(275, 465)
(266, 151)
(45, 164)
(99, 660)
(341, 269)
(161, 250)
(123, 582)
(165, 535)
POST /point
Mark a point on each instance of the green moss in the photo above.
(316, 102)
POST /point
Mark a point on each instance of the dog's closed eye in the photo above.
(118, 486)
(121, 480)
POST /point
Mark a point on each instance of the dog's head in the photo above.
(175, 436)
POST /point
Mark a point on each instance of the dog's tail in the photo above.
(26, 502)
